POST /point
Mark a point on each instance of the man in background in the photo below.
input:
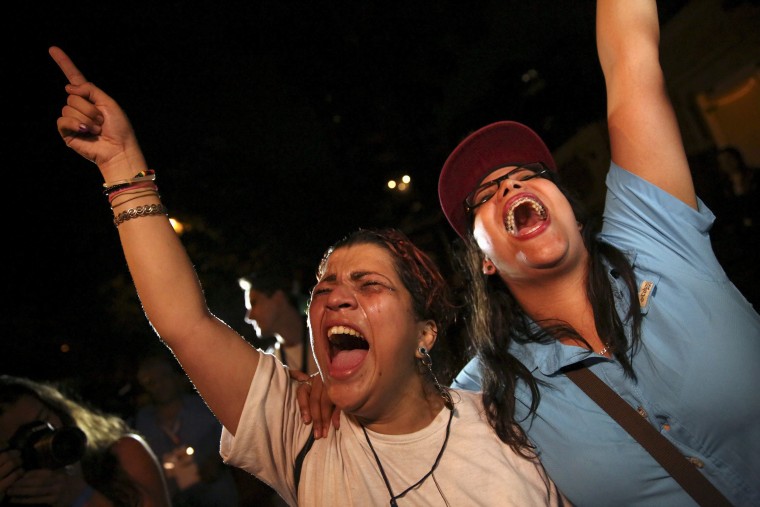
(184, 434)
(275, 308)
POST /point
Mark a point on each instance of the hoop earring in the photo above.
(427, 361)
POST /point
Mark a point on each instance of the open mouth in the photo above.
(348, 348)
(524, 216)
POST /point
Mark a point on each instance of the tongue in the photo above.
(347, 359)
(526, 224)
(525, 218)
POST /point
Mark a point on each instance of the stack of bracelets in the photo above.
(123, 191)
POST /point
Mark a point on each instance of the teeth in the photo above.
(343, 330)
(510, 221)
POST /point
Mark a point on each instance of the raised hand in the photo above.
(95, 126)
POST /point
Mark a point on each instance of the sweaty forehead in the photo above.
(355, 261)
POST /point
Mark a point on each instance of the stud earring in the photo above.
(427, 361)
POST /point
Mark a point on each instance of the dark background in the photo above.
(265, 121)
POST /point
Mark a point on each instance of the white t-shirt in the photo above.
(476, 467)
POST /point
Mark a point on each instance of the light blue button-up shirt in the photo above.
(698, 368)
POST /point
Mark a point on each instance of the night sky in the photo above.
(265, 121)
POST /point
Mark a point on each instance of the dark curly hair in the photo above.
(429, 290)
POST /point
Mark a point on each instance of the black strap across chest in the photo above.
(661, 449)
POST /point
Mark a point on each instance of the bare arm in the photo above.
(220, 362)
(644, 134)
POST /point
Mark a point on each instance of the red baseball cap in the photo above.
(494, 146)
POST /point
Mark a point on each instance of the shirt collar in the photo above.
(549, 358)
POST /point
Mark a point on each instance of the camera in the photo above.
(43, 446)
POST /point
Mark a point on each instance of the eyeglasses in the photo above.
(522, 172)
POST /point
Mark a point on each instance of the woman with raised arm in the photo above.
(377, 309)
(642, 303)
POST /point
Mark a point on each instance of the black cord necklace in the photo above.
(435, 465)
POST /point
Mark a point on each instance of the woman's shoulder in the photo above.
(132, 446)
(473, 427)
(465, 400)
(143, 468)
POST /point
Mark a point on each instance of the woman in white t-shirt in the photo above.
(377, 309)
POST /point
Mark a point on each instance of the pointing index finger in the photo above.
(73, 74)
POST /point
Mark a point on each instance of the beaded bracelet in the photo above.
(140, 211)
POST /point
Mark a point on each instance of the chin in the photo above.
(344, 402)
(347, 396)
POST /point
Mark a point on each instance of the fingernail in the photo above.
(83, 128)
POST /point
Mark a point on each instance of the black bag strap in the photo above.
(666, 454)
(300, 458)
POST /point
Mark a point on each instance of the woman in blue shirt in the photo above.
(643, 302)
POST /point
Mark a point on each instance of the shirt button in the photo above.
(695, 461)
